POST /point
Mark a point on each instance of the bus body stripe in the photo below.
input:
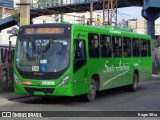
(110, 80)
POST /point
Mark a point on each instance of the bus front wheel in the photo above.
(89, 97)
(134, 85)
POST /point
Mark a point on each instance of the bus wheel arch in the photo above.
(94, 86)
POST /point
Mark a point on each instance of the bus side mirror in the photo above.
(13, 31)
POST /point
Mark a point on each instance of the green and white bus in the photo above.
(71, 60)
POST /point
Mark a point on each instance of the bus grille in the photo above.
(40, 77)
(45, 90)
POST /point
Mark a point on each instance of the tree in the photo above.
(16, 15)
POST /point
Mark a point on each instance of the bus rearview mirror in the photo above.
(13, 31)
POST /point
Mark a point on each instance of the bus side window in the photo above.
(149, 48)
(144, 48)
(127, 47)
(117, 46)
(136, 47)
(106, 46)
(93, 45)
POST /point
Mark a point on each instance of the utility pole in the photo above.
(62, 15)
(91, 13)
(111, 6)
(24, 12)
(104, 1)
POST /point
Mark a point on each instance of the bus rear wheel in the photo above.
(89, 97)
(134, 85)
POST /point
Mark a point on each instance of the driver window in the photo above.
(79, 54)
(79, 50)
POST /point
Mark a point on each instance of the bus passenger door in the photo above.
(80, 66)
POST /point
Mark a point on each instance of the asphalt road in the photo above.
(146, 98)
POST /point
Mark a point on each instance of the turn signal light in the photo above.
(27, 83)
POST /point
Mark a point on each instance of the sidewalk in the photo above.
(11, 95)
(156, 76)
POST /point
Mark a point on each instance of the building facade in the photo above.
(140, 26)
(157, 27)
(73, 18)
(6, 11)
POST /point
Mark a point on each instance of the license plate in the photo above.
(48, 83)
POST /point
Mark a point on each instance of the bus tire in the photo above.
(134, 85)
(89, 97)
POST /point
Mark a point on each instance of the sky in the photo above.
(129, 13)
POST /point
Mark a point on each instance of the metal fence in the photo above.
(42, 4)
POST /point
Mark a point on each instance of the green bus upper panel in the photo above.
(110, 30)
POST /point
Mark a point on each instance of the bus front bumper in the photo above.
(66, 90)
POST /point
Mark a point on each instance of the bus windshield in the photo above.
(42, 55)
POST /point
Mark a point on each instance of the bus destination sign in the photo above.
(31, 31)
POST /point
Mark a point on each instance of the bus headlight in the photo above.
(16, 79)
(64, 81)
